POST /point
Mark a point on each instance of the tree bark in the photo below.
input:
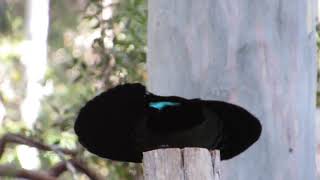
(260, 55)
(186, 164)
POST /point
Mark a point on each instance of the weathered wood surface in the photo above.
(258, 54)
(186, 164)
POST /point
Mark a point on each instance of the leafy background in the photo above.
(87, 54)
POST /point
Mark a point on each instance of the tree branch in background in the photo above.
(59, 168)
(11, 171)
(52, 173)
(19, 139)
(68, 164)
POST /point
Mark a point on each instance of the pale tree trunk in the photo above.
(34, 58)
(259, 54)
(318, 142)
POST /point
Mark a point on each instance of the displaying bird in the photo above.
(126, 120)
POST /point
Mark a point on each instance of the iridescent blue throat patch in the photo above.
(162, 104)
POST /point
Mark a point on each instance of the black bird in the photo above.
(125, 121)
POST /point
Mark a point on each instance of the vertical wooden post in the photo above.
(181, 164)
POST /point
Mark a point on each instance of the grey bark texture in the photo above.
(177, 164)
(259, 54)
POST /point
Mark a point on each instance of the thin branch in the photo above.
(59, 168)
(69, 165)
(11, 171)
(81, 166)
(51, 174)
(19, 139)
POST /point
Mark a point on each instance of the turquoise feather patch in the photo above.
(161, 105)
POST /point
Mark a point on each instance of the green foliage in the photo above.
(11, 18)
(100, 54)
(128, 26)
(88, 54)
